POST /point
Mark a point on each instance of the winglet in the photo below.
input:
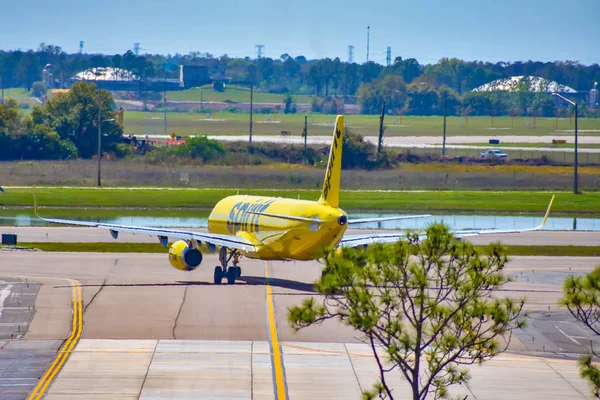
(35, 204)
(547, 211)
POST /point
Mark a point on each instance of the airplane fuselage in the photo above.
(278, 238)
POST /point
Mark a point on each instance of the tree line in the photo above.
(407, 85)
(65, 127)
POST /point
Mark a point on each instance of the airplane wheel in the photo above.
(238, 271)
(231, 275)
(218, 277)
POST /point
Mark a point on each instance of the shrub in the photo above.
(202, 148)
(233, 110)
(39, 89)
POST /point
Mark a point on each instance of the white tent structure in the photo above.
(105, 74)
(534, 84)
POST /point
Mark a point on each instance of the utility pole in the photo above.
(251, 98)
(305, 133)
(350, 54)
(165, 108)
(2, 98)
(388, 56)
(99, 135)
(594, 99)
(575, 180)
(380, 145)
(444, 142)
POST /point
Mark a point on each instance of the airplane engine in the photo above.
(183, 257)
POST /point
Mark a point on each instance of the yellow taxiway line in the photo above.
(67, 348)
(280, 390)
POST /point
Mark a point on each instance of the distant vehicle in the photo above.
(493, 154)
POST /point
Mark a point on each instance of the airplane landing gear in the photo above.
(223, 271)
(218, 276)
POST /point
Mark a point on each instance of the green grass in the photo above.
(525, 201)
(238, 94)
(188, 123)
(95, 213)
(18, 94)
(553, 251)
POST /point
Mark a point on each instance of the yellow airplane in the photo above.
(273, 228)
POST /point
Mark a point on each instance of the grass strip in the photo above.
(552, 251)
(526, 201)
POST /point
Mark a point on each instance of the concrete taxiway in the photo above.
(193, 369)
(150, 331)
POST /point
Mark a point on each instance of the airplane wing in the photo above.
(392, 237)
(229, 241)
(383, 219)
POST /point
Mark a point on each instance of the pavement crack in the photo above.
(353, 369)
(95, 295)
(112, 269)
(179, 313)
(565, 379)
(470, 390)
(148, 369)
(252, 369)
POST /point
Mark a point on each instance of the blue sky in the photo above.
(488, 30)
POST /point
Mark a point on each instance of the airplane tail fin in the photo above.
(331, 185)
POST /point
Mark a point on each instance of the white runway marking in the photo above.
(570, 337)
(4, 293)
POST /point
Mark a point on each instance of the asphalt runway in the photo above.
(394, 138)
(397, 139)
(150, 321)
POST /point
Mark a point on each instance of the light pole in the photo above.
(100, 145)
(575, 180)
(2, 76)
(165, 108)
(251, 104)
(444, 142)
(595, 90)
(99, 136)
